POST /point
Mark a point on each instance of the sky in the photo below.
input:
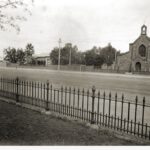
(85, 23)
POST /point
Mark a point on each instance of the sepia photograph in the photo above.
(75, 73)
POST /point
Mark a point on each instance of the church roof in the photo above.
(148, 38)
(143, 33)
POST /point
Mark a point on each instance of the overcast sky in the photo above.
(85, 23)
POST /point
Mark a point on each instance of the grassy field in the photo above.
(20, 126)
(130, 85)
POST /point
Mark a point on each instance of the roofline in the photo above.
(40, 56)
(139, 37)
(124, 53)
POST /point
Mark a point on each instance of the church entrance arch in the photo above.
(138, 66)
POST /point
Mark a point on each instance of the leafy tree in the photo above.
(96, 56)
(32, 61)
(20, 56)
(90, 56)
(14, 56)
(29, 51)
(64, 54)
(74, 51)
(11, 19)
(54, 56)
(80, 58)
(99, 60)
(108, 53)
(11, 55)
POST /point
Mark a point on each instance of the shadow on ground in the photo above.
(21, 126)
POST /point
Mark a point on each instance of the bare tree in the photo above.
(10, 19)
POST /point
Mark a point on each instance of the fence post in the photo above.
(122, 111)
(93, 98)
(115, 110)
(103, 107)
(109, 109)
(143, 116)
(47, 96)
(98, 107)
(17, 89)
(136, 100)
(128, 117)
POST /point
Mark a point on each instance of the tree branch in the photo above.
(9, 4)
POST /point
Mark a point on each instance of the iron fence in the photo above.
(88, 105)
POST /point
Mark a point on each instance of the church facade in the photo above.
(137, 59)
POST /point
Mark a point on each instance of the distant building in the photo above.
(137, 59)
(42, 60)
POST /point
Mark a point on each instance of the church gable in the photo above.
(141, 39)
(140, 47)
(138, 58)
(140, 50)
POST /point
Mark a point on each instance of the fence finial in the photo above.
(109, 94)
(136, 99)
(144, 100)
(122, 97)
(116, 96)
(98, 94)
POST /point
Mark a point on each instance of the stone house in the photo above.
(137, 59)
(43, 60)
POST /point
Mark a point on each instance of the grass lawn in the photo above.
(21, 126)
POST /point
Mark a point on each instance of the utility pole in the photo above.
(115, 60)
(59, 42)
(115, 56)
(70, 57)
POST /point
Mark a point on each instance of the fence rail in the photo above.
(88, 105)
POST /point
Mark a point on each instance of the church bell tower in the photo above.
(144, 30)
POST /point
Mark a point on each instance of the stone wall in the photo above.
(124, 62)
(3, 63)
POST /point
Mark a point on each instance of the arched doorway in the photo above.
(138, 66)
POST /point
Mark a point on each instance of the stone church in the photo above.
(137, 59)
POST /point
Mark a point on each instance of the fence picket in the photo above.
(136, 100)
(143, 116)
(103, 106)
(109, 109)
(115, 110)
(122, 102)
(93, 99)
(82, 102)
(98, 107)
(88, 104)
(128, 117)
(74, 91)
(69, 101)
(78, 102)
(47, 95)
